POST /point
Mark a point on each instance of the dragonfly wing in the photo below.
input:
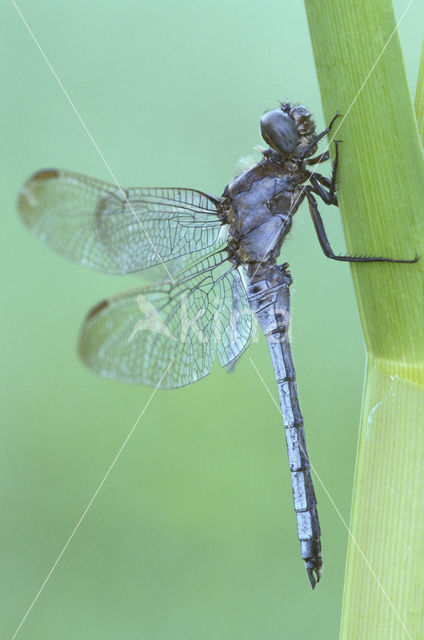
(176, 327)
(242, 320)
(117, 230)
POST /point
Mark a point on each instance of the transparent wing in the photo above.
(183, 325)
(100, 226)
(238, 313)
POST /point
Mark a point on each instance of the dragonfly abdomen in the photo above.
(268, 294)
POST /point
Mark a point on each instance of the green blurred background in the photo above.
(193, 533)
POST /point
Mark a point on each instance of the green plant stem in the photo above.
(419, 97)
(381, 193)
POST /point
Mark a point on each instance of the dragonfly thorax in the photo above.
(258, 207)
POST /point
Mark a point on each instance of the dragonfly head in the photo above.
(279, 130)
(288, 130)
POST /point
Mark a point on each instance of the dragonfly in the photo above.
(220, 257)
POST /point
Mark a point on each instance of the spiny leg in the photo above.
(316, 178)
(322, 157)
(323, 239)
(299, 198)
(334, 170)
(319, 181)
(317, 138)
(321, 192)
(322, 179)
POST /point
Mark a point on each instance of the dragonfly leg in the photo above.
(319, 182)
(317, 138)
(322, 179)
(322, 192)
(334, 170)
(298, 199)
(325, 244)
(318, 159)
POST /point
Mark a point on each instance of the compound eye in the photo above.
(279, 130)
